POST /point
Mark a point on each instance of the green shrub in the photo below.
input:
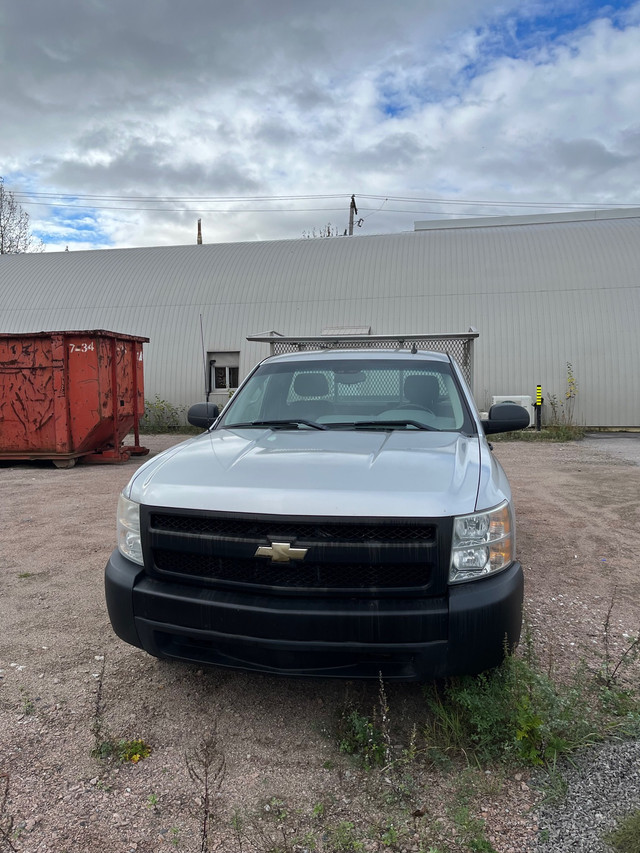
(358, 735)
(514, 712)
(162, 417)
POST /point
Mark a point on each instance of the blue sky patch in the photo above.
(529, 31)
(543, 24)
(71, 226)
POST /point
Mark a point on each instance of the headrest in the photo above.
(421, 389)
(311, 385)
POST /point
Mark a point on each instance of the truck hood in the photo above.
(321, 473)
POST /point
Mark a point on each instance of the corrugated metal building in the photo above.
(542, 291)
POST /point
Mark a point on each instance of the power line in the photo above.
(63, 206)
(25, 197)
(413, 199)
(23, 194)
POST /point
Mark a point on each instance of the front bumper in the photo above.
(407, 639)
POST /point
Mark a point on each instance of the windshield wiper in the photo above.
(291, 422)
(383, 425)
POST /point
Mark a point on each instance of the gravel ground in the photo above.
(602, 786)
(66, 680)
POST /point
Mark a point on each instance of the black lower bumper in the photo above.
(409, 639)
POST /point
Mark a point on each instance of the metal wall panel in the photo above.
(541, 294)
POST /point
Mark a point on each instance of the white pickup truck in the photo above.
(343, 517)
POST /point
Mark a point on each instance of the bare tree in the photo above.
(15, 234)
(327, 230)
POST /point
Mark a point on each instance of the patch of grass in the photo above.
(123, 751)
(344, 837)
(516, 713)
(552, 432)
(390, 836)
(25, 575)
(132, 750)
(471, 829)
(626, 838)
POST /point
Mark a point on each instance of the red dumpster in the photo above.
(69, 396)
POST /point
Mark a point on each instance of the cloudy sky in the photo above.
(124, 121)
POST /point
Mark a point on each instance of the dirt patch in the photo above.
(578, 510)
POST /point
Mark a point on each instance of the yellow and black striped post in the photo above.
(538, 408)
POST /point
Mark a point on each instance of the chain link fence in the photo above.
(459, 347)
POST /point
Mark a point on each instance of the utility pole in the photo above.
(352, 209)
(199, 232)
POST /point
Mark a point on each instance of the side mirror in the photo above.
(505, 417)
(203, 415)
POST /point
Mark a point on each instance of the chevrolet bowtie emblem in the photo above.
(281, 552)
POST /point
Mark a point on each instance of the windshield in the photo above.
(350, 394)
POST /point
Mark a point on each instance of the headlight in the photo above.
(483, 543)
(129, 543)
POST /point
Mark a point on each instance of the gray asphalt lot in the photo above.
(624, 445)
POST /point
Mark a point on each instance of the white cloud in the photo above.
(150, 99)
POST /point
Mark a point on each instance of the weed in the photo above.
(276, 808)
(368, 738)
(6, 819)
(318, 811)
(570, 394)
(152, 801)
(390, 836)
(308, 841)
(161, 416)
(553, 787)
(28, 705)
(175, 836)
(550, 432)
(207, 767)
(344, 837)
(132, 750)
(472, 830)
(626, 837)
(24, 575)
(562, 411)
(383, 706)
(611, 668)
(123, 751)
(104, 744)
(514, 712)
(560, 424)
(359, 736)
